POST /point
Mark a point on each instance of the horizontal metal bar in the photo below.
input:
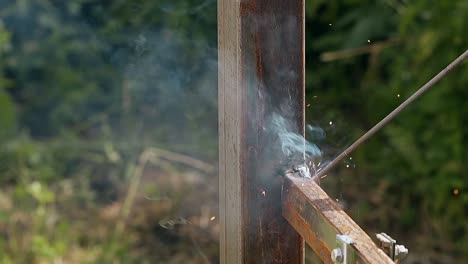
(317, 218)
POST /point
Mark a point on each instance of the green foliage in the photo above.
(86, 87)
(7, 114)
(419, 159)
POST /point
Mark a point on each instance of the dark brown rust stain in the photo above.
(247, 7)
(270, 47)
(258, 57)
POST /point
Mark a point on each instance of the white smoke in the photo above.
(293, 143)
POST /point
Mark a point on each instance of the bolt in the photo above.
(337, 255)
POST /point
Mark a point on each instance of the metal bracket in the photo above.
(390, 247)
(344, 252)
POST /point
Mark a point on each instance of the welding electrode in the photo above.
(390, 116)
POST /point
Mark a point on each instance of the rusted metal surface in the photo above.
(318, 219)
(273, 52)
(261, 62)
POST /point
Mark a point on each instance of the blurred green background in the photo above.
(108, 126)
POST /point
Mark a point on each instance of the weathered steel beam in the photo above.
(261, 71)
(318, 219)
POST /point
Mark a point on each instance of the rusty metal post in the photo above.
(261, 68)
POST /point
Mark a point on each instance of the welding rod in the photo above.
(390, 116)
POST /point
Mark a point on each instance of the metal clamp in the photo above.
(390, 247)
(344, 252)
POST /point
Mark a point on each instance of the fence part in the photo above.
(319, 220)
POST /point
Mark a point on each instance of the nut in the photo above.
(401, 252)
